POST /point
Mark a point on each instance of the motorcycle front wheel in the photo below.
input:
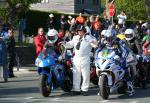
(45, 88)
(104, 87)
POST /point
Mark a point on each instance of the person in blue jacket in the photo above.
(3, 59)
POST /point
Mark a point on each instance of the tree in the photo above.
(147, 2)
(134, 9)
(15, 8)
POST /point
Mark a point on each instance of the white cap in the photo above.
(70, 17)
(51, 15)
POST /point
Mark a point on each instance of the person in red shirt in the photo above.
(80, 19)
(97, 27)
(39, 41)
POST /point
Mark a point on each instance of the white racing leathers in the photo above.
(81, 61)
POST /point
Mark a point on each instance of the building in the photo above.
(2, 3)
(90, 5)
(69, 6)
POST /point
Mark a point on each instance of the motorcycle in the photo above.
(110, 73)
(53, 74)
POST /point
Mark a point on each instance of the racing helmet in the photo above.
(52, 36)
(129, 34)
(109, 36)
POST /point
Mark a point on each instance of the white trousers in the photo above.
(81, 68)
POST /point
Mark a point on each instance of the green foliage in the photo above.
(3, 13)
(15, 9)
(134, 9)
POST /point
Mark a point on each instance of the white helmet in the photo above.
(52, 36)
(129, 34)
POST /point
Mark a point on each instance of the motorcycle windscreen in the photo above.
(48, 61)
(106, 54)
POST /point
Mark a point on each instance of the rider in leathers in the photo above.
(132, 41)
(111, 42)
(52, 43)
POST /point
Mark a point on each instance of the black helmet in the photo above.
(81, 28)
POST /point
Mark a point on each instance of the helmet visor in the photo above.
(128, 35)
(51, 38)
(109, 39)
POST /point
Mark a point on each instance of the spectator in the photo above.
(80, 19)
(10, 44)
(3, 60)
(22, 26)
(72, 23)
(97, 27)
(39, 40)
(63, 22)
(91, 23)
(61, 34)
(91, 19)
(50, 21)
(4, 34)
(105, 22)
(87, 22)
(121, 19)
(68, 36)
(145, 24)
(139, 29)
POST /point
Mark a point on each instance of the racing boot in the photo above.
(130, 88)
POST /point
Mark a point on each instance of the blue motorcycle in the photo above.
(53, 73)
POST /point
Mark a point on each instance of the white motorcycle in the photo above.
(110, 73)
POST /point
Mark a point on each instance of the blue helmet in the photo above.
(110, 35)
(148, 32)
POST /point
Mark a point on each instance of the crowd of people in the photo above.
(93, 34)
(86, 36)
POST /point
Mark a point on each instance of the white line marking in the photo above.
(71, 101)
(105, 101)
(28, 98)
(134, 102)
(9, 98)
